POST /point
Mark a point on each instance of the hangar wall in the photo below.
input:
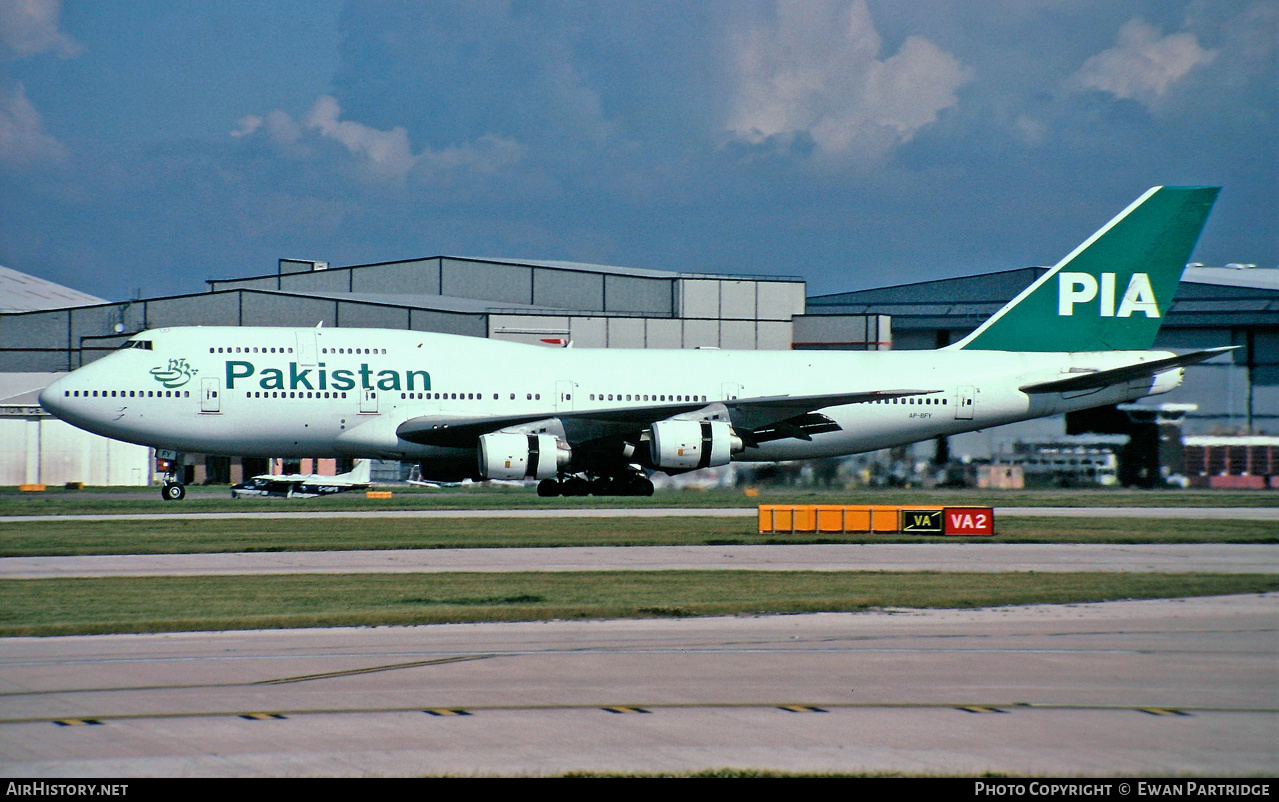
(36, 448)
(564, 285)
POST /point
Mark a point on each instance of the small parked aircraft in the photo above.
(297, 485)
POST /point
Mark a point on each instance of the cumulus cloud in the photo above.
(1143, 65)
(381, 154)
(30, 27)
(22, 143)
(248, 124)
(385, 153)
(815, 74)
(489, 154)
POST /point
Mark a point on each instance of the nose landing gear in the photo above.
(167, 463)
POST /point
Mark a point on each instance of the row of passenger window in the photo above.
(538, 397)
(465, 396)
(265, 350)
(912, 400)
(646, 397)
(296, 394)
(127, 393)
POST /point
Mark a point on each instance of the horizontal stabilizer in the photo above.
(1105, 378)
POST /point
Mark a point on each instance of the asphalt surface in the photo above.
(1151, 688)
(1184, 687)
(967, 557)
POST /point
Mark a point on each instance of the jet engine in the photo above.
(692, 444)
(505, 455)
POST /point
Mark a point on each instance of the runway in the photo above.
(965, 557)
(1158, 688)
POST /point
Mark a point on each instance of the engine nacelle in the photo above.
(692, 444)
(506, 455)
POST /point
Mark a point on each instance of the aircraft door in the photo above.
(210, 395)
(563, 396)
(965, 400)
(728, 391)
(368, 402)
(306, 347)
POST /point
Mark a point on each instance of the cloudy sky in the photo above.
(151, 145)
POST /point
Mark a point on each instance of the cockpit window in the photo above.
(145, 345)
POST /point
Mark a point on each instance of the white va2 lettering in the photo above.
(1079, 288)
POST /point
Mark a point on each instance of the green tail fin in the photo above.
(1111, 292)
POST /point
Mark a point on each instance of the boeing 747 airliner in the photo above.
(596, 421)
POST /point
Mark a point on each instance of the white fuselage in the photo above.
(283, 392)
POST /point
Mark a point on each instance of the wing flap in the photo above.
(755, 413)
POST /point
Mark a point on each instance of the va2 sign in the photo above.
(969, 521)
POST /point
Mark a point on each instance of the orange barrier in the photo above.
(875, 519)
(33, 488)
(377, 494)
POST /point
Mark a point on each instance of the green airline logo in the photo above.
(320, 378)
(176, 374)
(1081, 288)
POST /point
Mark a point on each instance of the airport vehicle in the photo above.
(311, 485)
(596, 420)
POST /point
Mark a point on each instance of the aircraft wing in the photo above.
(1141, 370)
(757, 413)
(768, 413)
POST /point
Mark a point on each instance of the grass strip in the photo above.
(165, 604)
(61, 537)
(57, 501)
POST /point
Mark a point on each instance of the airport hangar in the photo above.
(46, 329)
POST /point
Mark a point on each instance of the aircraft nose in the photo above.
(51, 398)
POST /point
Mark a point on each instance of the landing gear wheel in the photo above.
(548, 488)
(603, 486)
(575, 486)
(173, 491)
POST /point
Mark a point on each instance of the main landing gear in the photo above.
(173, 489)
(577, 484)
